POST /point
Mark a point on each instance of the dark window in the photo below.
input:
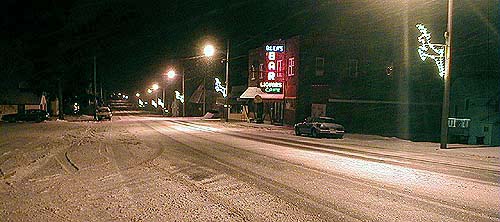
(320, 66)
(353, 68)
(261, 71)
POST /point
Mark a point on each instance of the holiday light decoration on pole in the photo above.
(220, 88)
(161, 103)
(179, 96)
(436, 52)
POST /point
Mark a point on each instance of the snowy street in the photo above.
(147, 168)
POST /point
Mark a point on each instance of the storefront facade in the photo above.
(286, 76)
(273, 77)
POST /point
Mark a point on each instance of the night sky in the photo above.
(136, 41)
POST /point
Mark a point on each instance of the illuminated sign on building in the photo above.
(458, 123)
(275, 48)
(274, 69)
(272, 87)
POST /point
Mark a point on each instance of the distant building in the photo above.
(15, 101)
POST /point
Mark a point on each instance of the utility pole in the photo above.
(95, 82)
(60, 99)
(101, 89)
(163, 96)
(204, 95)
(227, 82)
(447, 78)
(183, 93)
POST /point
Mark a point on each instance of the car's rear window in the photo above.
(326, 120)
(104, 109)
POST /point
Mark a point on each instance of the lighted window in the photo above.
(291, 66)
(279, 68)
(320, 66)
(261, 71)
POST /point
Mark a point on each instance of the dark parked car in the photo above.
(35, 115)
(319, 126)
(103, 112)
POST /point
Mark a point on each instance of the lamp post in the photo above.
(208, 51)
(227, 82)
(183, 93)
(171, 74)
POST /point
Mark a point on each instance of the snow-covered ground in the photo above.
(187, 169)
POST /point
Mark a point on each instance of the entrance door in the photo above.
(487, 133)
(277, 113)
(318, 110)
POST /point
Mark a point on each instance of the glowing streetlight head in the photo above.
(155, 86)
(209, 50)
(138, 94)
(150, 91)
(171, 74)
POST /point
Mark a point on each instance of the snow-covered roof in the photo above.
(252, 91)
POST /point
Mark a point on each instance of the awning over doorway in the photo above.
(251, 92)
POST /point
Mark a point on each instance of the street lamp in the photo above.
(156, 86)
(171, 74)
(209, 50)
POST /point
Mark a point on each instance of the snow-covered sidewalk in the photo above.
(389, 143)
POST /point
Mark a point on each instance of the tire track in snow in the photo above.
(472, 173)
(315, 205)
(479, 214)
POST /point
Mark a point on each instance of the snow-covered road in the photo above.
(166, 169)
